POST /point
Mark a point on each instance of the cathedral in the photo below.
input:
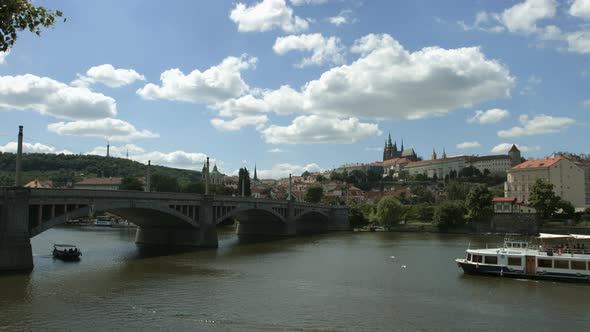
(391, 151)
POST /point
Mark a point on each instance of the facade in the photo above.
(390, 151)
(565, 175)
(99, 184)
(504, 205)
(215, 177)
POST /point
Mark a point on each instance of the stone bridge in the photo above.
(175, 219)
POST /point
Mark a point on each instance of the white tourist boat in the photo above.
(552, 257)
(103, 221)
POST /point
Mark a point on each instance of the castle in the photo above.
(390, 151)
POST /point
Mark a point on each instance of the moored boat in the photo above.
(103, 221)
(553, 257)
(66, 252)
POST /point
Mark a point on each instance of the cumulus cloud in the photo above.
(539, 125)
(278, 171)
(239, 122)
(276, 150)
(32, 148)
(108, 128)
(267, 15)
(490, 116)
(580, 8)
(323, 50)
(579, 42)
(215, 84)
(503, 148)
(47, 96)
(468, 145)
(523, 17)
(3, 56)
(177, 159)
(109, 76)
(315, 129)
(343, 17)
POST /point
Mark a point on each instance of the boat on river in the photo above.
(103, 221)
(551, 257)
(66, 252)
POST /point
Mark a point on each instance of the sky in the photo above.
(295, 85)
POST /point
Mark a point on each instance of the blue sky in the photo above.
(300, 84)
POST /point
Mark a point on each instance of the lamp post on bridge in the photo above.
(289, 193)
(148, 178)
(207, 177)
(18, 179)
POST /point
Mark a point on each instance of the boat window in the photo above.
(491, 259)
(545, 262)
(578, 265)
(515, 261)
(476, 258)
(468, 257)
(561, 264)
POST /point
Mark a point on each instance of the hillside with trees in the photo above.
(68, 169)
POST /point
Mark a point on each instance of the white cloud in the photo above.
(32, 148)
(529, 87)
(215, 84)
(278, 171)
(108, 128)
(503, 148)
(267, 15)
(47, 96)
(580, 8)
(3, 56)
(324, 50)
(539, 125)
(523, 17)
(431, 81)
(307, 2)
(178, 159)
(490, 116)
(315, 129)
(338, 20)
(468, 145)
(239, 122)
(245, 105)
(276, 150)
(109, 76)
(579, 42)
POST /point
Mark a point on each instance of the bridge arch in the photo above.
(251, 214)
(143, 214)
(312, 221)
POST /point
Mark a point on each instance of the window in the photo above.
(561, 264)
(468, 257)
(545, 263)
(476, 258)
(516, 261)
(491, 259)
(578, 265)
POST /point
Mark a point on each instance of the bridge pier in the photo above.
(15, 245)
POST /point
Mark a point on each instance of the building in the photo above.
(582, 161)
(505, 205)
(215, 177)
(565, 175)
(442, 167)
(390, 151)
(99, 184)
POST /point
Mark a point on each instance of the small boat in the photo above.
(66, 252)
(556, 257)
(103, 221)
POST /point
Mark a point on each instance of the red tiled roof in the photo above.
(504, 199)
(100, 181)
(537, 163)
(39, 184)
(395, 161)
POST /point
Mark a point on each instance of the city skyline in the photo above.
(302, 84)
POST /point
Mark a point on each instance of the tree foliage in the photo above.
(450, 214)
(356, 217)
(19, 15)
(543, 199)
(389, 211)
(244, 182)
(479, 202)
(164, 183)
(314, 194)
(131, 183)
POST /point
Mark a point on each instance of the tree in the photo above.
(320, 178)
(244, 182)
(479, 202)
(164, 183)
(457, 191)
(389, 211)
(314, 194)
(567, 208)
(18, 15)
(131, 183)
(424, 212)
(335, 176)
(543, 199)
(450, 214)
(356, 217)
(469, 171)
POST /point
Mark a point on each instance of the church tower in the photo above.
(514, 155)
(433, 154)
(444, 154)
(255, 175)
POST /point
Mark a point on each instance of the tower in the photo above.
(108, 149)
(255, 175)
(444, 154)
(402, 147)
(433, 154)
(395, 153)
(514, 155)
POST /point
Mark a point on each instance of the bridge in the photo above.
(172, 219)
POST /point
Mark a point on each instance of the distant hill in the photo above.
(63, 169)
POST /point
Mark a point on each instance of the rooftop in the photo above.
(538, 163)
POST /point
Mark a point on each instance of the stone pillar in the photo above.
(289, 193)
(15, 244)
(18, 179)
(207, 177)
(148, 178)
(339, 219)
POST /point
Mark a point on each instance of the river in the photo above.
(328, 282)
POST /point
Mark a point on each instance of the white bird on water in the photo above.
(392, 257)
(404, 266)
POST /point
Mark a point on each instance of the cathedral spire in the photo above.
(433, 154)
(389, 141)
(255, 175)
(444, 154)
(402, 147)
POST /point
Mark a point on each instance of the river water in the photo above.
(329, 282)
